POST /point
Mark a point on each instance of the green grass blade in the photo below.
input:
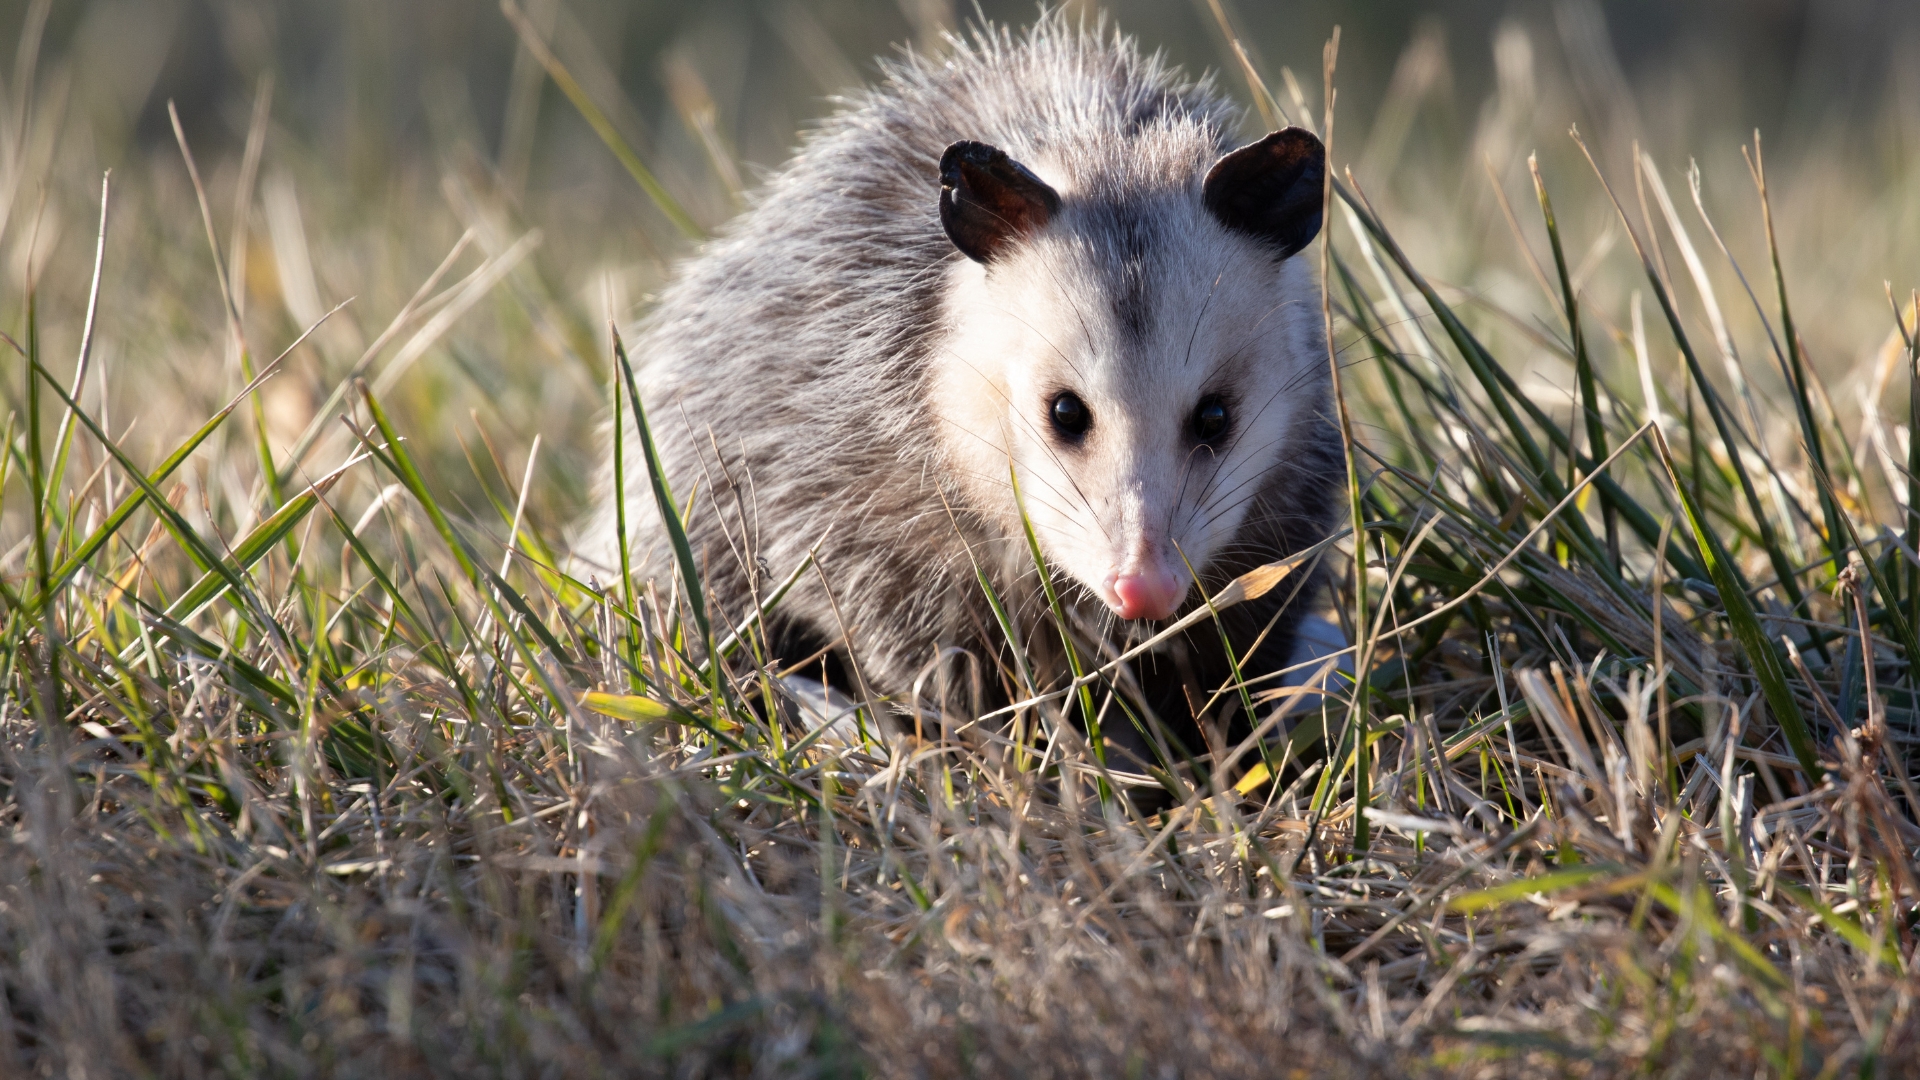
(610, 135)
(1582, 362)
(46, 688)
(620, 486)
(270, 696)
(663, 500)
(1361, 705)
(1004, 622)
(400, 463)
(623, 893)
(1796, 362)
(1790, 372)
(1539, 885)
(1745, 623)
(261, 447)
(1501, 391)
(183, 533)
(117, 518)
(1912, 338)
(63, 441)
(1060, 620)
(1851, 932)
(253, 547)
(401, 608)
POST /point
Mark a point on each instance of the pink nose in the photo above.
(1153, 592)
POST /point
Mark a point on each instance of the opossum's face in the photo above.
(1143, 360)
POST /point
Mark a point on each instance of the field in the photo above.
(319, 756)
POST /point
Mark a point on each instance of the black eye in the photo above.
(1070, 417)
(1211, 419)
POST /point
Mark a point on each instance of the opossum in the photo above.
(1039, 256)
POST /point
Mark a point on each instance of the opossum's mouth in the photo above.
(1152, 592)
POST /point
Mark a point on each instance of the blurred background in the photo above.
(347, 147)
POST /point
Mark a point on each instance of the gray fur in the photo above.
(788, 371)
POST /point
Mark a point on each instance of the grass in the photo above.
(317, 761)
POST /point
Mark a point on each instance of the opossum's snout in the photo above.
(1150, 591)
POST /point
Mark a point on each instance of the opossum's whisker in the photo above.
(1233, 444)
(1039, 438)
(1057, 350)
(1086, 329)
(1213, 506)
(1201, 318)
(1039, 479)
(1180, 497)
(1241, 428)
(1252, 336)
(1306, 372)
(1239, 502)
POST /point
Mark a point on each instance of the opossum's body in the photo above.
(832, 373)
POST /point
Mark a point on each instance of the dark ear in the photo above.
(988, 200)
(1271, 190)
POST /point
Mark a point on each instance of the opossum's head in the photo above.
(1133, 337)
